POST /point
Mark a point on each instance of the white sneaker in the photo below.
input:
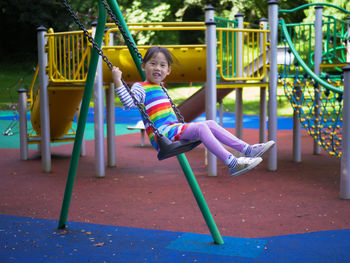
(244, 164)
(259, 149)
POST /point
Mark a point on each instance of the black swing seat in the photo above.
(168, 149)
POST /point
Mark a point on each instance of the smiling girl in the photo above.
(157, 66)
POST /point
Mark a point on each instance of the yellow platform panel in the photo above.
(189, 63)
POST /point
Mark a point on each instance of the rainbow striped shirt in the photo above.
(158, 108)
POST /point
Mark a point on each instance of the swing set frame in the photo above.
(88, 90)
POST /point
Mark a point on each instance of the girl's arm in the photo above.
(122, 92)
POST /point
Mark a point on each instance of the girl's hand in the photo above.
(116, 76)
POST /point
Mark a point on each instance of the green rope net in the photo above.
(319, 110)
(316, 99)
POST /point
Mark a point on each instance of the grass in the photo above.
(15, 76)
(12, 78)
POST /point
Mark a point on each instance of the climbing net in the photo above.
(317, 100)
(319, 110)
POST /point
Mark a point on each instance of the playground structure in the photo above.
(69, 53)
(317, 83)
(232, 75)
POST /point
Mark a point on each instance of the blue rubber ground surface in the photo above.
(124, 118)
(24, 239)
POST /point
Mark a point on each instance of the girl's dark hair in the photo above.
(154, 50)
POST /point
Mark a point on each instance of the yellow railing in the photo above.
(244, 61)
(69, 52)
(158, 26)
(68, 57)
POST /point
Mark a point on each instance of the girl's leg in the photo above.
(226, 137)
(232, 141)
(236, 166)
(200, 130)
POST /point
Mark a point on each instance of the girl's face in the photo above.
(156, 69)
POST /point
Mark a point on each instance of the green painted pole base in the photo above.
(191, 179)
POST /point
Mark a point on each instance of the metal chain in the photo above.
(132, 44)
(121, 29)
(86, 34)
(176, 110)
(11, 127)
(110, 65)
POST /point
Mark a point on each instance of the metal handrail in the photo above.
(302, 63)
(312, 4)
(251, 52)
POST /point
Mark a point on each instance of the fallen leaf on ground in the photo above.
(99, 244)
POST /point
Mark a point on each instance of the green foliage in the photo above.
(86, 10)
(151, 11)
(13, 77)
(19, 19)
(254, 10)
(310, 12)
(294, 17)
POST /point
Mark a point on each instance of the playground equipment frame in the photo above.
(68, 54)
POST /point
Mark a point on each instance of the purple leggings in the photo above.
(211, 134)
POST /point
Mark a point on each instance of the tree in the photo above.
(19, 21)
(310, 12)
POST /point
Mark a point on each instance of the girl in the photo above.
(157, 65)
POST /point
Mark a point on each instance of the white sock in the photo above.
(247, 149)
(231, 161)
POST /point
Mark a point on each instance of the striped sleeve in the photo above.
(125, 97)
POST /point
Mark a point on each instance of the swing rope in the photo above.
(167, 148)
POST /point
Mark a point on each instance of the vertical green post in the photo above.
(83, 116)
(191, 179)
(181, 158)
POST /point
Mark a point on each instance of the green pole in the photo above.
(82, 117)
(181, 158)
(191, 179)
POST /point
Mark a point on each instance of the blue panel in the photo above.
(24, 239)
(234, 246)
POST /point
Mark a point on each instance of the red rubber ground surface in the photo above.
(146, 193)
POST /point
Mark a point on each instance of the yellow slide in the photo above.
(63, 105)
